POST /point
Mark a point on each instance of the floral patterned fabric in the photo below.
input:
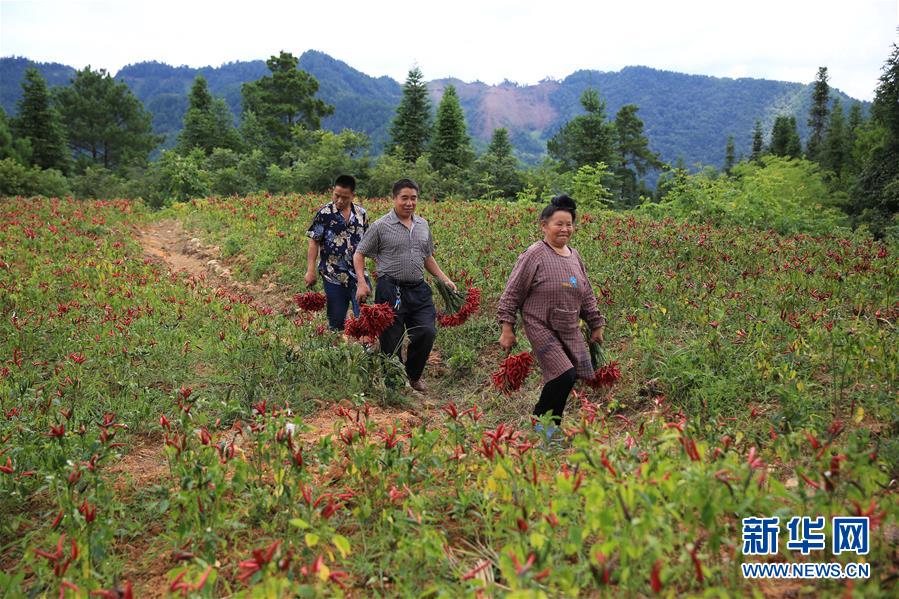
(338, 239)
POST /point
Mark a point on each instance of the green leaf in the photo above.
(342, 544)
(299, 523)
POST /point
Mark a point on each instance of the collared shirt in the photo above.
(338, 238)
(399, 251)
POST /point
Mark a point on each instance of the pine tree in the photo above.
(730, 155)
(634, 156)
(794, 145)
(283, 100)
(207, 122)
(833, 151)
(451, 144)
(875, 195)
(497, 172)
(758, 142)
(854, 128)
(586, 139)
(411, 129)
(106, 123)
(16, 148)
(500, 146)
(39, 123)
(785, 138)
(817, 120)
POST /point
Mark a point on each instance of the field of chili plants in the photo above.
(161, 435)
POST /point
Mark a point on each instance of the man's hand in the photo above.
(450, 284)
(310, 278)
(597, 336)
(362, 291)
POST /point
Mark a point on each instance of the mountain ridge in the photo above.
(686, 116)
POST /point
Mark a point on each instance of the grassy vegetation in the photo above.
(248, 452)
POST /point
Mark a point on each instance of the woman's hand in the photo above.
(596, 336)
(507, 338)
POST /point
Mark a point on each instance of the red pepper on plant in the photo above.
(655, 578)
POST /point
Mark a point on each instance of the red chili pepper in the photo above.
(605, 462)
(310, 301)
(474, 571)
(522, 524)
(654, 578)
(512, 372)
(88, 511)
(696, 563)
(812, 440)
(809, 481)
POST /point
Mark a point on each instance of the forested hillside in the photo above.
(687, 117)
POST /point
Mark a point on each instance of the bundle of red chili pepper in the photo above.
(512, 372)
(606, 375)
(373, 320)
(606, 372)
(311, 301)
(471, 305)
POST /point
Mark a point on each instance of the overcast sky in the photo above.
(486, 40)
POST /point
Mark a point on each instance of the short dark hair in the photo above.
(347, 181)
(405, 184)
(562, 202)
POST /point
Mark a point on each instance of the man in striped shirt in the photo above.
(400, 242)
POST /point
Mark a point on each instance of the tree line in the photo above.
(94, 139)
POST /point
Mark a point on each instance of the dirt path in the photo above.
(168, 242)
(178, 250)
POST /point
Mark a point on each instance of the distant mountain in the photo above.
(687, 117)
(12, 71)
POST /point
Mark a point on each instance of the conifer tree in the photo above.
(282, 100)
(834, 149)
(411, 129)
(497, 171)
(16, 148)
(500, 146)
(794, 145)
(817, 119)
(875, 195)
(106, 123)
(450, 144)
(207, 123)
(730, 156)
(586, 139)
(785, 138)
(758, 142)
(39, 123)
(635, 158)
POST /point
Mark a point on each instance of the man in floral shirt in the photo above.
(334, 234)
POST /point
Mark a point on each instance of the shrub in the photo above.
(19, 180)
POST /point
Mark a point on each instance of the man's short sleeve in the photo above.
(371, 241)
(317, 229)
(430, 247)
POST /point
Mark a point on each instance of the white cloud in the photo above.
(487, 40)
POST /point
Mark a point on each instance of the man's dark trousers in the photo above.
(416, 315)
